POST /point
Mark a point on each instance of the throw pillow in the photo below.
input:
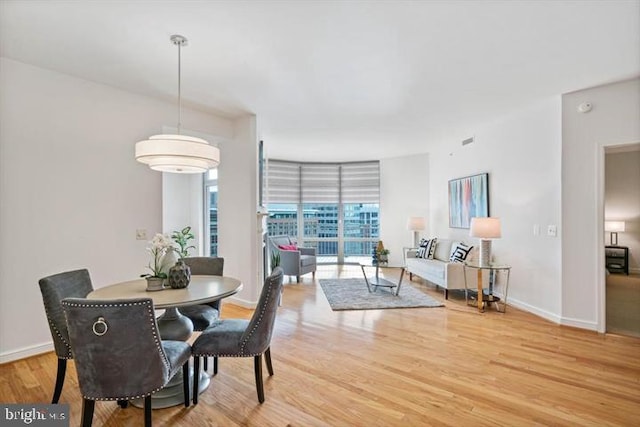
(427, 248)
(459, 252)
(422, 248)
(288, 247)
(431, 248)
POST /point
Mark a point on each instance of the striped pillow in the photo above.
(427, 248)
(459, 252)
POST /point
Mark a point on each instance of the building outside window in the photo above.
(332, 207)
(211, 212)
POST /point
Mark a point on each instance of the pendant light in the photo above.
(177, 153)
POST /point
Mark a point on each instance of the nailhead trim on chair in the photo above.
(155, 337)
(244, 342)
(264, 308)
(55, 329)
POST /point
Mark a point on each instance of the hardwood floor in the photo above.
(623, 304)
(411, 367)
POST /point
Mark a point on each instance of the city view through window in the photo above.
(332, 207)
(338, 232)
(211, 218)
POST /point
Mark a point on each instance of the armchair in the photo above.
(294, 260)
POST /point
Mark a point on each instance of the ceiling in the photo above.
(339, 80)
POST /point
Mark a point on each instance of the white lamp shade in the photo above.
(485, 228)
(177, 154)
(416, 223)
(614, 226)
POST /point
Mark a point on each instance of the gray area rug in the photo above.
(352, 294)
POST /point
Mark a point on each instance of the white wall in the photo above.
(622, 201)
(237, 209)
(615, 119)
(182, 205)
(404, 192)
(521, 153)
(71, 193)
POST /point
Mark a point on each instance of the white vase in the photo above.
(168, 260)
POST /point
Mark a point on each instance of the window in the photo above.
(211, 215)
(332, 207)
(283, 219)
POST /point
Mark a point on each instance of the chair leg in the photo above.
(297, 279)
(185, 382)
(196, 377)
(215, 365)
(62, 369)
(257, 364)
(205, 364)
(267, 358)
(446, 294)
(87, 412)
(147, 411)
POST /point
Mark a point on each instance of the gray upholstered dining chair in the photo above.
(119, 354)
(54, 289)
(203, 315)
(241, 337)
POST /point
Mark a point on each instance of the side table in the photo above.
(617, 259)
(487, 298)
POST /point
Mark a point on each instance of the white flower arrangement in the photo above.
(160, 246)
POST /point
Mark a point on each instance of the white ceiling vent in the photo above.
(467, 141)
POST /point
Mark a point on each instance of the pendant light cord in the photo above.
(179, 90)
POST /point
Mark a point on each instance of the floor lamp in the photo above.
(416, 224)
(485, 229)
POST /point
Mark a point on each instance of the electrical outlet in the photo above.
(552, 231)
(141, 234)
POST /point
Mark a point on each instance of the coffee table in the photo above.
(376, 281)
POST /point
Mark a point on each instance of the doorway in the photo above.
(622, 239)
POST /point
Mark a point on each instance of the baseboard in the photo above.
(535, 310)
(25, 352)
(634, 270)
(241, 302)
(578, 323)
(565, 321)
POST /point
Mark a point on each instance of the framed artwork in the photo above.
(468, 198)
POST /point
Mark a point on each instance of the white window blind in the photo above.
(360, 182)
(283, 182)
(290, 182)
(320, 183)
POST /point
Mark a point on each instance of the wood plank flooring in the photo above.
(623, 304)
(449, 366)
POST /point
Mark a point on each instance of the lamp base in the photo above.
(485, 253)
(614, 238)
(416, 239)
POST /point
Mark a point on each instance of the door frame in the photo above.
(601, 297)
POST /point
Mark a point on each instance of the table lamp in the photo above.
(485, 229)
(614, 227)
(416, 224)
